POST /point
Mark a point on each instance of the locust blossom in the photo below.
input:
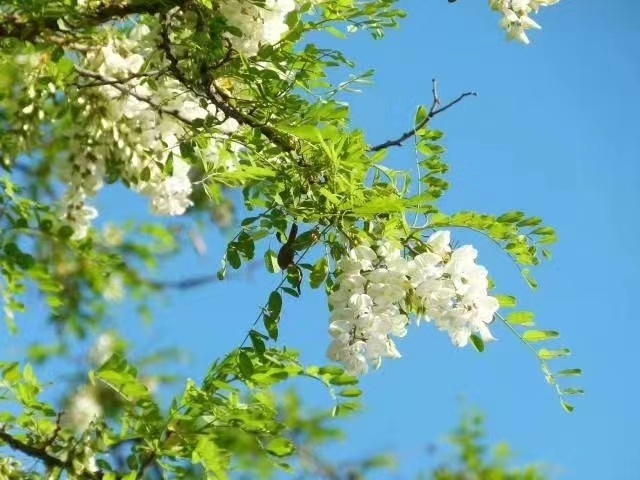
(365, 308)
(140, 127)
(378, 288)
(516, 16)
(451, 290)
(82, 409)
(259, 25)
(104, 346)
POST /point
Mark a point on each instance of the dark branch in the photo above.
(39, 453)
(182, 284)
(433, 111)
(218, 98)
(27, 27)
(49, 460)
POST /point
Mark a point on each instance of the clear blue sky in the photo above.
(553, 132)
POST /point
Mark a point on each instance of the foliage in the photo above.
(475, 461)
(192, 104)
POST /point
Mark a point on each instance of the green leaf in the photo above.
(524, 319)
(507, 301)
(343, 379)
(350, 392)
(280, 447)
(290, 291)
(421, 116)
(530, 222)
(335, 32)
(544, 354)
(345, 409)
(539, 335)
(526, 273)
(275, 304)
(271, 325)
(568, 408)
(245, 364)
(233, 257)
(573, 391)
(330, 370)
(570, 372)
(118, 374)
(210, 456)
(547, 231)
(257, 340)
(65, 232)
(511, 217)
(319, 273)
(478, 343)
(271, 261)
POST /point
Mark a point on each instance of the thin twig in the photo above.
(184, 284)
(25, 26)
(433, 111)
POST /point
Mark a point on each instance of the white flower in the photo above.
(440, 242)
(171, 196)
(83, 408)
(363, 255)
(516, 17)
(259, 26)
(114, 290)
(78, 214)
(452, 290)
(102, 349)
(364, 312)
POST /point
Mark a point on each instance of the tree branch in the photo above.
(25, 26)
(433, 111)
(218, 98)
(40, 454)
(184, 284)
(44, 457)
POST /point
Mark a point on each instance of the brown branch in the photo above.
(48, 460)
(218, 98)
(433, 111)
(27, 27)
(184, 284)
(40, 454)
(117, 81)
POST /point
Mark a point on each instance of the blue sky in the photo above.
(552, 132)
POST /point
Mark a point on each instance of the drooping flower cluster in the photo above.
(366, 308)
(452, 289)
(378, 288)
(82, 409)
(259, 26)
(139, 130)
(516, 17)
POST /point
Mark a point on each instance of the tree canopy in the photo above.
(195, 104)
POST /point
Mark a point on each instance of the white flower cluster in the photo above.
(141, 131)
(82, 409)
(516, 18)
(365, 308)
(376, 286)
(259, 26)
(105, 345)
(452, 289)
